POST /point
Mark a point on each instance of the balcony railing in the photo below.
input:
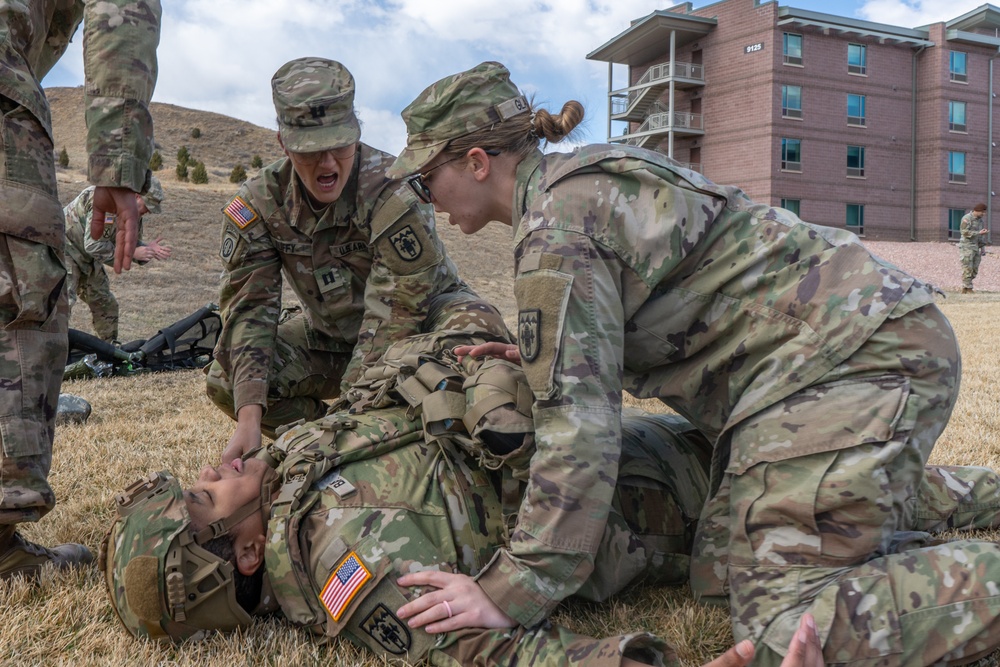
(659, 73)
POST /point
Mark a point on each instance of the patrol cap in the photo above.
(453, 107)
(314, 100)
(153, 196)
(979, 207)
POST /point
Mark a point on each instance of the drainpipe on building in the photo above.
(989, 159)
(913, 146)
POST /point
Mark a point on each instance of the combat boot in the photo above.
(966, 290)
(19, 556)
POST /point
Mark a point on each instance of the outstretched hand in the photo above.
(459, 602)
(803, 651)
(496, 350)
(120, 205)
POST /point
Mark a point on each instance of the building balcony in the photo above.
(680, 123)
(633, 103)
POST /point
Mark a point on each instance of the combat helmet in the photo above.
(163, 584)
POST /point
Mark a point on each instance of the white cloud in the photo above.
(916, 12)
(219, 55)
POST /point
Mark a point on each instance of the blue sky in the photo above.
(219, 55)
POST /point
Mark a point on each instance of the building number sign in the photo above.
(759, 46)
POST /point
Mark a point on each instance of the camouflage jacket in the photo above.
(366, 499)
(33, 36)
(362, 268)
(969, 230)
(635, 274)
(81, 248)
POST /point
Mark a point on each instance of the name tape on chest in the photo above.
(347, 580)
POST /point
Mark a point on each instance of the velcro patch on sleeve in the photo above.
(233, 246)
(407, 247)
(240, 212)
(346, 581)
(542, 297)
(376, 625)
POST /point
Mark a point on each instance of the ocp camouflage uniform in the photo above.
(407, 505)
(86, 257)
(33, 313)
(822, 375)
(970, 247)
(368, 270)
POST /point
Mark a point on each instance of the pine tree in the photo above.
(63, 158)
(238, 174)
(256, 162)
(183, 157)
(199, 174)
(156, 162)
(182, 171)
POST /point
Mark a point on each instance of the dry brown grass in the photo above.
(164, 421)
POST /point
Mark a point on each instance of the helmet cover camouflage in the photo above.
(162, 584)
(314, 100)
(453, 107)
(154, 196)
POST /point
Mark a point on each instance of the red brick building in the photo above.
(882, 129)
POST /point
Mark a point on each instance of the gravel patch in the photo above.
(938, 264)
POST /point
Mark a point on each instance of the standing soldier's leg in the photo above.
(33, 339)
(965, 254)
(299, 382)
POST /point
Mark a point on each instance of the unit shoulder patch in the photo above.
(387, 630)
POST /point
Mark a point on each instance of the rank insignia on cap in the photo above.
(385, 628)
(240, 213)
(406, 243)
(345, 582)
(529, 330)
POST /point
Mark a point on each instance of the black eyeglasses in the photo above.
(420, 188)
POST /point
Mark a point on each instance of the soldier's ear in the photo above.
(249, 554)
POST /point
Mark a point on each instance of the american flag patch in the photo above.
(240, 213)
(345, 582)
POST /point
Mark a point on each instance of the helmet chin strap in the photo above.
(268, 485)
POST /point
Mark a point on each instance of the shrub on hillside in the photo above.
(63, 158)
(183, 157)
(256, 162)
(182, 171)
(238, 174)
(156, 162)
(199, 174)
(195, 132)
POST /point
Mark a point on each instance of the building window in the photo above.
(856, 161)
(955, 216)
(856, 218)
(791, 101)
(956, 167)
(956, 116)
(792, 49)
(857, 59)
(791, 155)
(792, 205)
(957, 66)
(856, 110)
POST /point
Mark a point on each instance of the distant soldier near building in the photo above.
(970, 246)
(86, 256)
(119, 53)
(359, 250)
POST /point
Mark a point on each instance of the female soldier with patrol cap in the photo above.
(822, 375)
(359, 250)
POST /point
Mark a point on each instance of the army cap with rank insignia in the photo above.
(314, 100)
(453, 107)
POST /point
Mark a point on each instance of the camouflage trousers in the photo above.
(820, 501)
(33, 314)
(91, 285)
(302, 378)
(970, 255)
